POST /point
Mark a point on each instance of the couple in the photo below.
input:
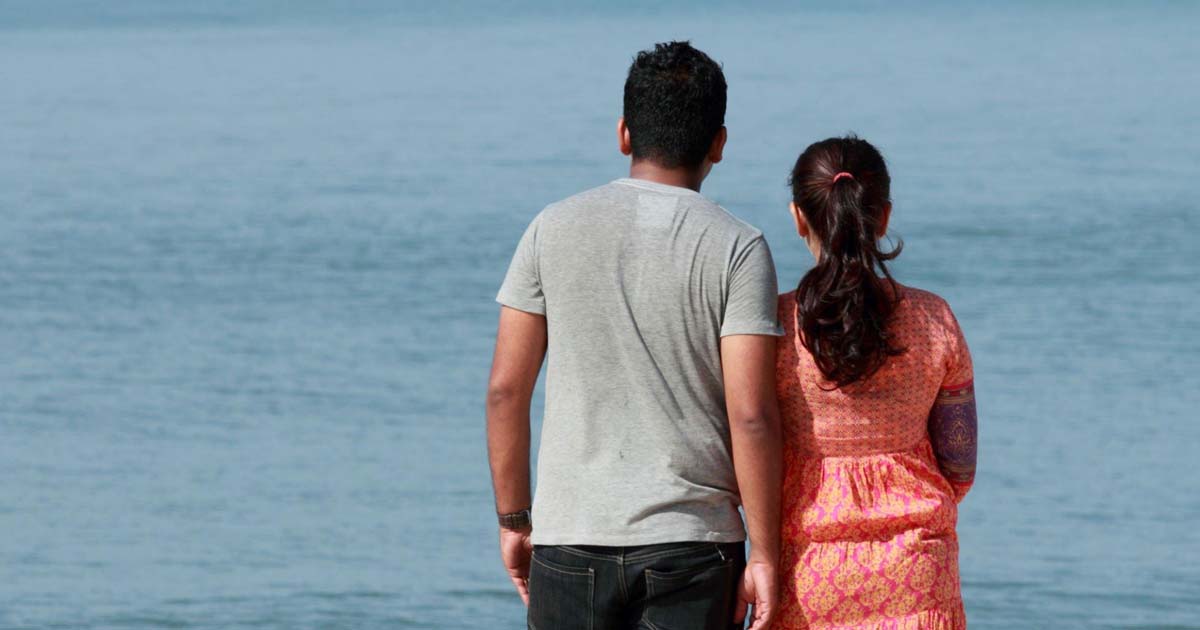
(840, 416)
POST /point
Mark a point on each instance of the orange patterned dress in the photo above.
(868, 513)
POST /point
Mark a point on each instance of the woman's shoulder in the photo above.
(921, 297)
(787, 311)
(926, 304)
(787, 302)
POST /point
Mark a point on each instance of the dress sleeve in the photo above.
(522, 288)
(953, 423)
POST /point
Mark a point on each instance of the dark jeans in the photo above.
(676, 586)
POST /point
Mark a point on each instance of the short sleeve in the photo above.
(959, 369)
(753, 301)
(522, 287)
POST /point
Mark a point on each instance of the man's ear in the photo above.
(623, 142)
(883, 220)
(717, 150)
(798, 218)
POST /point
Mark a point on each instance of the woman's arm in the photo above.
(954, 432)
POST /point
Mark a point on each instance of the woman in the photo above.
(878, 410)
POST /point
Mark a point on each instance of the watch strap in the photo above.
(516, 520)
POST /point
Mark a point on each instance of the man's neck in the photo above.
(680, 177)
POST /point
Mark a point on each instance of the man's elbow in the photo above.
(757, 424)
(501, 394)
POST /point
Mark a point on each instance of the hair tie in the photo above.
(841, 175)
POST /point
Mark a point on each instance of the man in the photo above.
(658, 309)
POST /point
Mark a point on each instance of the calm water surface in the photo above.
(248, 257)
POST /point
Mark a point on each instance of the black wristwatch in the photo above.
(516, 520)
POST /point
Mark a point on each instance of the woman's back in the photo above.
(868, 515)
(887, 412)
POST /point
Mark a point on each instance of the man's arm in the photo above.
(520, 349)
(748, 365)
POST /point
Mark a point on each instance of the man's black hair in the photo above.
(674, 104)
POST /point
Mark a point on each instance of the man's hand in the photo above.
(760, 589)
(517, 551)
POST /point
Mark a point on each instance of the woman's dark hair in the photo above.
(842, 187)
(674, 104)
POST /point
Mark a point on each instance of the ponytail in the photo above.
(845, 302)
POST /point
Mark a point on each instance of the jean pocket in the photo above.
(560, 596)
(691, 595)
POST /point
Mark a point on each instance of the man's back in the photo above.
(656, 309)
(638, 282)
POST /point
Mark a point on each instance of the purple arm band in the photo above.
(954, 432)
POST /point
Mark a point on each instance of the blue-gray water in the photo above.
(248, 255)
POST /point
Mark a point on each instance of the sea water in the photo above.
(248, 255)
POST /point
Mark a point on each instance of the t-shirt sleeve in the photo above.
(752, 307)
(522, 287)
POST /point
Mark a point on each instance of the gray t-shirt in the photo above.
(638, 282)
